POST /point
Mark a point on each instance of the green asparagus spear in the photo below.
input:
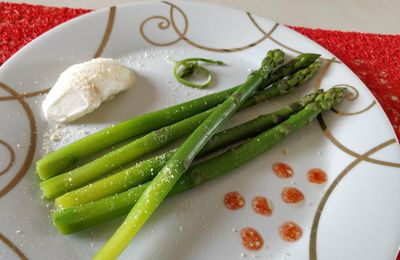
(77, 218)
(78, 177)
(175, 167)
(65, 157)
(145, 170)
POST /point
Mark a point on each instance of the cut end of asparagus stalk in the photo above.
(45, 172)
(59, 220)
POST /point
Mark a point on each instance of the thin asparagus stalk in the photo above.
(145, 170)
(83, 216)
(175, 167)
(65, 157)
(116, 183)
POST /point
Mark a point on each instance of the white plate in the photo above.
(355, 215)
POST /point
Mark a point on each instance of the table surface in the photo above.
(347, 15)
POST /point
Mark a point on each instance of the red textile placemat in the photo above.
(374, 58)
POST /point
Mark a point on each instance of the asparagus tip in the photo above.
(331, 97)
(310, 56)
(275, 56)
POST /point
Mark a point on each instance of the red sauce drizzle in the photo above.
(251, 239)
(290, 231)
(282, 170)
(292, 195)
(233, 200)
(261, 206)
(317, 176)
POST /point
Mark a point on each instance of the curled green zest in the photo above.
(191, 66)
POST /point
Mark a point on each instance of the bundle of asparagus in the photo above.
(115, 195)
(82, 202)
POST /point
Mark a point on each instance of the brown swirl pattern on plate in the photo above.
(12, 157)
(351, 96)
(13, 247)
(322, 203)
(32, 141)
(20, 98)
(166, 23)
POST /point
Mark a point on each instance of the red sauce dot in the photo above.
(233, 200)
(292, 195)
(261, 206)
(317, 176)
(290, 231)
(251, 239)
(282, 170)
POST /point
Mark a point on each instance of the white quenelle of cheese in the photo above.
(82, 88)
